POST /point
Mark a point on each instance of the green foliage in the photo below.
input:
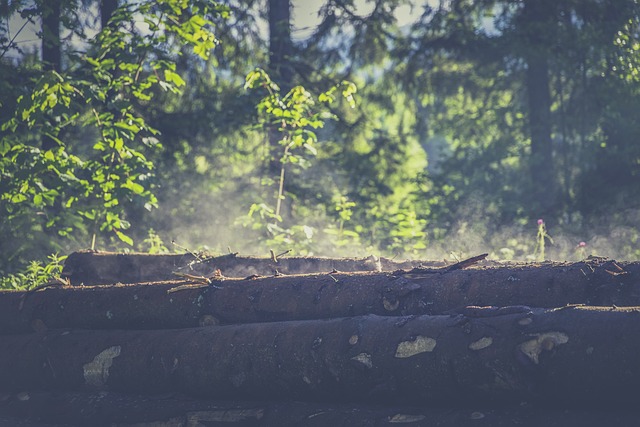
(154, 244)
(35, 274)
(344, 236)
(435, 158)
(295, 116)
(627, 46)
(541, 240)
(90, 184)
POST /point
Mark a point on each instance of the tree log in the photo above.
(97, 268)
(178, 305)
(109, 409)
(566, 356)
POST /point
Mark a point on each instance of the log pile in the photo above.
(471, 343)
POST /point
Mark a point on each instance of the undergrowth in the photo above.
(35, 274)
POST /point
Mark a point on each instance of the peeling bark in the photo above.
(571, 356)
(425, 346)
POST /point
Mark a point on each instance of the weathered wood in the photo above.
(112, 409)
(94, 268)
(567, 356)
(154, 306)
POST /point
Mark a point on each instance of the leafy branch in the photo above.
(295, 116)
(43, 171)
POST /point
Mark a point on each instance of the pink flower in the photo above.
(540, 221)
(582, 244)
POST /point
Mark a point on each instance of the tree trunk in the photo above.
(571, 356)
(108, 409)
(51, 43)
(280, 50)
(320, 296)
(107, 8)
(50, 12)
(280, 44)
(538, 19)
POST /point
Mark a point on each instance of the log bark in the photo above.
(569, 356)
(95, 268)
(179, 305)
(109, 409)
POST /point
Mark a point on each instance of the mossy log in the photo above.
(566, 356)
(318, 296)
(123, 410)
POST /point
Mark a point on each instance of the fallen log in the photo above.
(98, 268)
(567, 356)
(109, 409)
(413, 292)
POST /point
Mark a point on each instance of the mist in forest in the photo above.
(420, 129)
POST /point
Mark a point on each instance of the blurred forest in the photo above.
(131, 125)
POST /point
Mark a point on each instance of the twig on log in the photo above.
(195, 255)
(275, 257)
(466, 263)
(186, 287)
(205, 280)
(418, 271)
(618, 270)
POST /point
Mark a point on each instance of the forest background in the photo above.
(421, 129)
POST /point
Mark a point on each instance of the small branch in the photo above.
(202, 280)
(466, 263)
(419, 272)
(281, 184)
(173, 242)
(275, 257)
(12, 42)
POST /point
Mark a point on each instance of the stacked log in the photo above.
(543, 344)
(95, 268)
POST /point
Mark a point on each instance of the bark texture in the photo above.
(422, 345)
(572, 356)
(96, 268)
(109, 409)
(318, 296)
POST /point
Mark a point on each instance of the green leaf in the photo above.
(18, 198)
(126, 239)
(4, 147)
(134, 187)
(88, 214)
(311, 149)
(127, 126)
(174, 78)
